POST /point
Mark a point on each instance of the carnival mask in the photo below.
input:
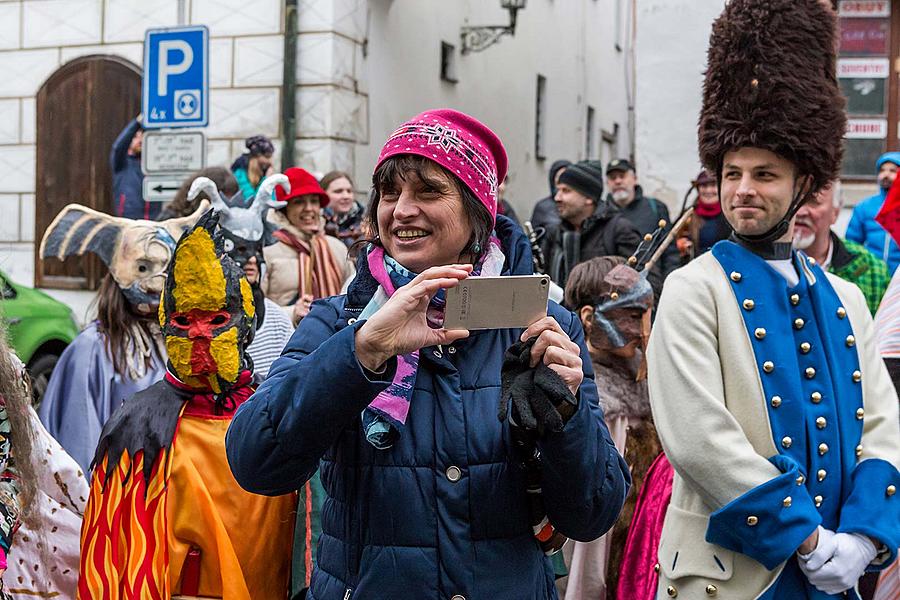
(243, 227)
(623, 316)
(207, 310)
(137, 252)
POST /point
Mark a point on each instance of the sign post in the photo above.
(176, 77)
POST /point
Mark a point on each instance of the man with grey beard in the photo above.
(848, 260)
(644, 212)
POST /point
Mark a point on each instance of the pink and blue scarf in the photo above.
(385, 417)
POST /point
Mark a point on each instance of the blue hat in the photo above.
(891, 157)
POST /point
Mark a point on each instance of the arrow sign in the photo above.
(162, 188)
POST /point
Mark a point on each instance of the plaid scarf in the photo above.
(320, 274)
(385, 417)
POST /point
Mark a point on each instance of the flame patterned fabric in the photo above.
(124, 552)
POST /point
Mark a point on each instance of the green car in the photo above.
(39, 329)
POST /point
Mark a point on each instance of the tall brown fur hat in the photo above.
(771, 83)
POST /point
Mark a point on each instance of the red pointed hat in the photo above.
(302, 183)
(461, 144)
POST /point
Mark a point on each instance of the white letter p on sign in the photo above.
(165, 69)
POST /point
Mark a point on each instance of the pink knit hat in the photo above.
(461, 144)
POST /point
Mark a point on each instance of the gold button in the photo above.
(821, 422)
(857, 376)
(805, 347)
(768, 366)
(810, 372)
(816, 397)
(850, 341)
(891, 490)
(821, 474)
(860, 413)
(859, 450)
(776, 401)
(711, 590)
(656, 568)
(800, 479)
(614, 295)
(671, 591)
(749, 304)
(786, 441)
(811, 260)
(823, 448)
(752, 521)
(760, 333)
(799, 323)
(787, 502)
(795, 299)
(818, 500)
(841, 312)
(735, 276)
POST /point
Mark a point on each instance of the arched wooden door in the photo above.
(80, 110)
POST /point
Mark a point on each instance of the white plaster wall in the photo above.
(570, 42)
(672, 38)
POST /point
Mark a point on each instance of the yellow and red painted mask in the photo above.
(207, 310)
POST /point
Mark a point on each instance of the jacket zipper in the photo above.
(347, 593)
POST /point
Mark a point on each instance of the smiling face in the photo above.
(303, 213)
(758, 186)
(340, 194)
(708, 193)
(421, 218)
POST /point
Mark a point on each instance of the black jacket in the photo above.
(644, 213)
(604, 233)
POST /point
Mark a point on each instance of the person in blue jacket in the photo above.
(863, 228)
(128, 178)
(426, 497)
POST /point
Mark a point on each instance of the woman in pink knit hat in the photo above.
(430, 440)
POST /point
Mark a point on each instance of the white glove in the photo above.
(822, 553)
(853, 553)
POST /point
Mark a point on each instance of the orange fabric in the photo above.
(121, 557)
(245, 539)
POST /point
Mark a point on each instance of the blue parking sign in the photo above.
(176, 77)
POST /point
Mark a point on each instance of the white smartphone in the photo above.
(497, 302)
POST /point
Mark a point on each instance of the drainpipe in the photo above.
(289, 85)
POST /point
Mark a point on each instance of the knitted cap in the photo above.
(585, 177)
(302, 183)
(461, 144)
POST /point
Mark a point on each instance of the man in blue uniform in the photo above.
(769, 396)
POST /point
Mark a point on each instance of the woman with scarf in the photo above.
(304, 264)
(254, 165)
(344, 216)
(707, 225)
(426, 495)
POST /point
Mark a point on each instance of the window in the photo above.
(540, 118)
(589, 150)
(448, 62)
(867, 34)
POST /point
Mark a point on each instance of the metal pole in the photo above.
(289, 85)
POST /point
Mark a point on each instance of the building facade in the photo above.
(558, 88)
(670, 83)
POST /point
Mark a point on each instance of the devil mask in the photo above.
(137, 252)
(207, 310)
(623, 315)
(243, 228)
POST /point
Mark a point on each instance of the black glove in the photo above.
(541, 401)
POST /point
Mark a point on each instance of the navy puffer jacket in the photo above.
(442, 514)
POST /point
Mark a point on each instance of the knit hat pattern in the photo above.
(463, 145)
(585, 177)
